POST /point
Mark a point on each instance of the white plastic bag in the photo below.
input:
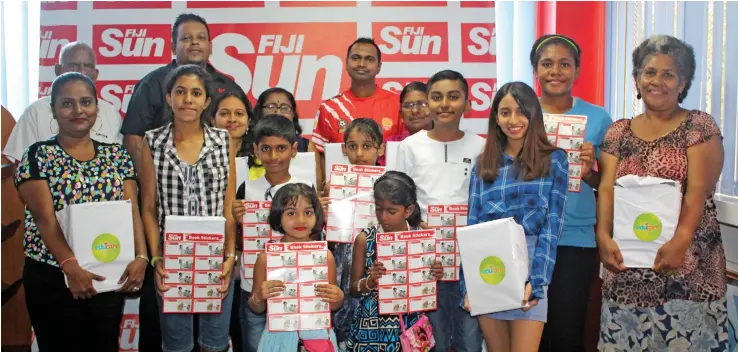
(100, 235)
(494, 256)
(646, 213)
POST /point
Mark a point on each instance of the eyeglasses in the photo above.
(413, 104)
(284, 108)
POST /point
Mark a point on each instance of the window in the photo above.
(705, 26)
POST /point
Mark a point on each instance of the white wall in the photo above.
(728, 217)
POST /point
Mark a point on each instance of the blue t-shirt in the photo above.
(580, 214)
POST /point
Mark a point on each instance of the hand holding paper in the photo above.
(671, 255)
(586, 157)
(610, 255)
(437, 269)
(238, 210)
(329, 293)
(324, 203)
(376, 271)
(80, 281)
(160, 276)
(133, 276)
(269, 289)
(226, 274)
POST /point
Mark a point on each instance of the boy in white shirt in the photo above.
(275, 144)
(440, 162)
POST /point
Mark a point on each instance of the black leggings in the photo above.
(62, 323)
(568, 298)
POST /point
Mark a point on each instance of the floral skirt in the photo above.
(676, 325)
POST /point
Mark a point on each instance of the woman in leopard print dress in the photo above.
(680, 305)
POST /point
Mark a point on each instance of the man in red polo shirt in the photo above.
(363, 99)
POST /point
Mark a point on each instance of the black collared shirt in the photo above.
(146, 110)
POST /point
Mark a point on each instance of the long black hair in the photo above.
(398, 188)
(533, 160)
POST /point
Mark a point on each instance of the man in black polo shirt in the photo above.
(191, 45)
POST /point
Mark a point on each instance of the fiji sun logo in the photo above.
(647, 227)
(106, 247)
(492, 270)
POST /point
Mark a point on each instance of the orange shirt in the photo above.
(335, 114)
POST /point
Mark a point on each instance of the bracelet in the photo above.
(253, 298)
(61, 265)
(145, 258)
(155, 259)
(358, 285)
(366, 283)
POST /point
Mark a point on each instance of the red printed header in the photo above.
(339, 168)
(412, 41)
(297, 246)
(196, 237)
(175, 237)
(144, 43)
(406, 236)
(478, 42)
(367, 169)
(53, 39)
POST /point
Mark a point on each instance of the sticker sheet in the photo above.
(409, 284)
(194, 263)
(567, 132)
(352, 201)
(301, 266)
(256, 234)
(445, 219)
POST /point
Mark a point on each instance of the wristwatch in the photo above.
(232, 255)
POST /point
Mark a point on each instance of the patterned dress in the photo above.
(371, 332)
(71, 182)
(686, 311)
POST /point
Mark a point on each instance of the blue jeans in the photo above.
(453, 325)
(176, 329)
(252, 324)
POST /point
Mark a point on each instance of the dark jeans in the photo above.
(149, 331)
(62, 323)
(568, 297)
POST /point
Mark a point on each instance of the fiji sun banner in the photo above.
(297, 45)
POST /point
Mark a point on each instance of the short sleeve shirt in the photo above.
(335, 114)
(71, 181)
(702, 276)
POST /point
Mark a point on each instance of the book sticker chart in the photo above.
(445, 219)
(301, 266)
(256, 234)
(409, 284)
(567, 132)
(352, 207)
(194, 262)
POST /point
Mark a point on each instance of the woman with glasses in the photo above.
(414, 110)
(281, 102)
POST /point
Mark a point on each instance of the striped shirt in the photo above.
(537, 205)
(335, 114)
(184, 189)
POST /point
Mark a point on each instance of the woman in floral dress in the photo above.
(680, 303)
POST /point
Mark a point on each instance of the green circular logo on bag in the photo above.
(106, 247)
(647, 227)
(492, 270)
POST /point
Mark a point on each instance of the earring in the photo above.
(638, 96)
